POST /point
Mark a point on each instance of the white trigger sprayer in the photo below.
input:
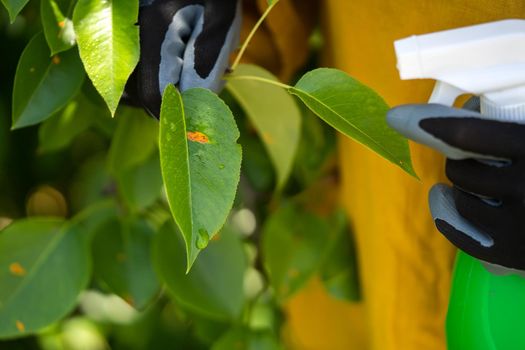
(487, 60)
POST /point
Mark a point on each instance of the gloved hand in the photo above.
(484, 213)
(182, 42)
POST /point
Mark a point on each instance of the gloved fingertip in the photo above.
(397, 119)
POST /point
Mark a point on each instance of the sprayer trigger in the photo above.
(445, 94)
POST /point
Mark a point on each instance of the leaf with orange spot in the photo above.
(58, 29)
(53, 257)
(42, 87)
(200, 162)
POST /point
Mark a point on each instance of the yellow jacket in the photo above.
(405, 264)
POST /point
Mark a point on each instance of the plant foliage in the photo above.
(194, 230)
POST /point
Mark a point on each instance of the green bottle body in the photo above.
(486, 311)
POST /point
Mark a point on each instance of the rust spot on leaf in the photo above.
(20, 326)
(55, 59)
(61, 24)
(197, 136)
(17, 269)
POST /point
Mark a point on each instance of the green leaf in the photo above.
(214, 286)
(316, 150)
(134, 140)
(14, 7)
(91, 184)
(108, 40)
(59, 131)
(44, 265)
(200, 162)
(140, 186)
(293, 246)
(339, 270)
(256, 164)
(43, 85)
(246, 339)
(58, 29)
(355, 110)
(278, 123)
(121, 254)
(94, 216)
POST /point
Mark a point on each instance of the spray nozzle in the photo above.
(487, 60)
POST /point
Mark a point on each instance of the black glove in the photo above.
(182, 42)
(484, 213)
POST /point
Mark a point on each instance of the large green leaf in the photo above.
(58, 29)
(134, 140)
(339, 270)
(122, 261)
(44, 265)
(44, 84)
(293, 246)
(275, 115)
(108, 40)
(214, 286)
(355, 110)
(14, 7)
(58, 131)
(200, 162)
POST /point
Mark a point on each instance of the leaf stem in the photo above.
(255, 78)
(252, 33)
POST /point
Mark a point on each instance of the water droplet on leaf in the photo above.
(202, 239)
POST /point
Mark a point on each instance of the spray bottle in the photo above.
(487, 306)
